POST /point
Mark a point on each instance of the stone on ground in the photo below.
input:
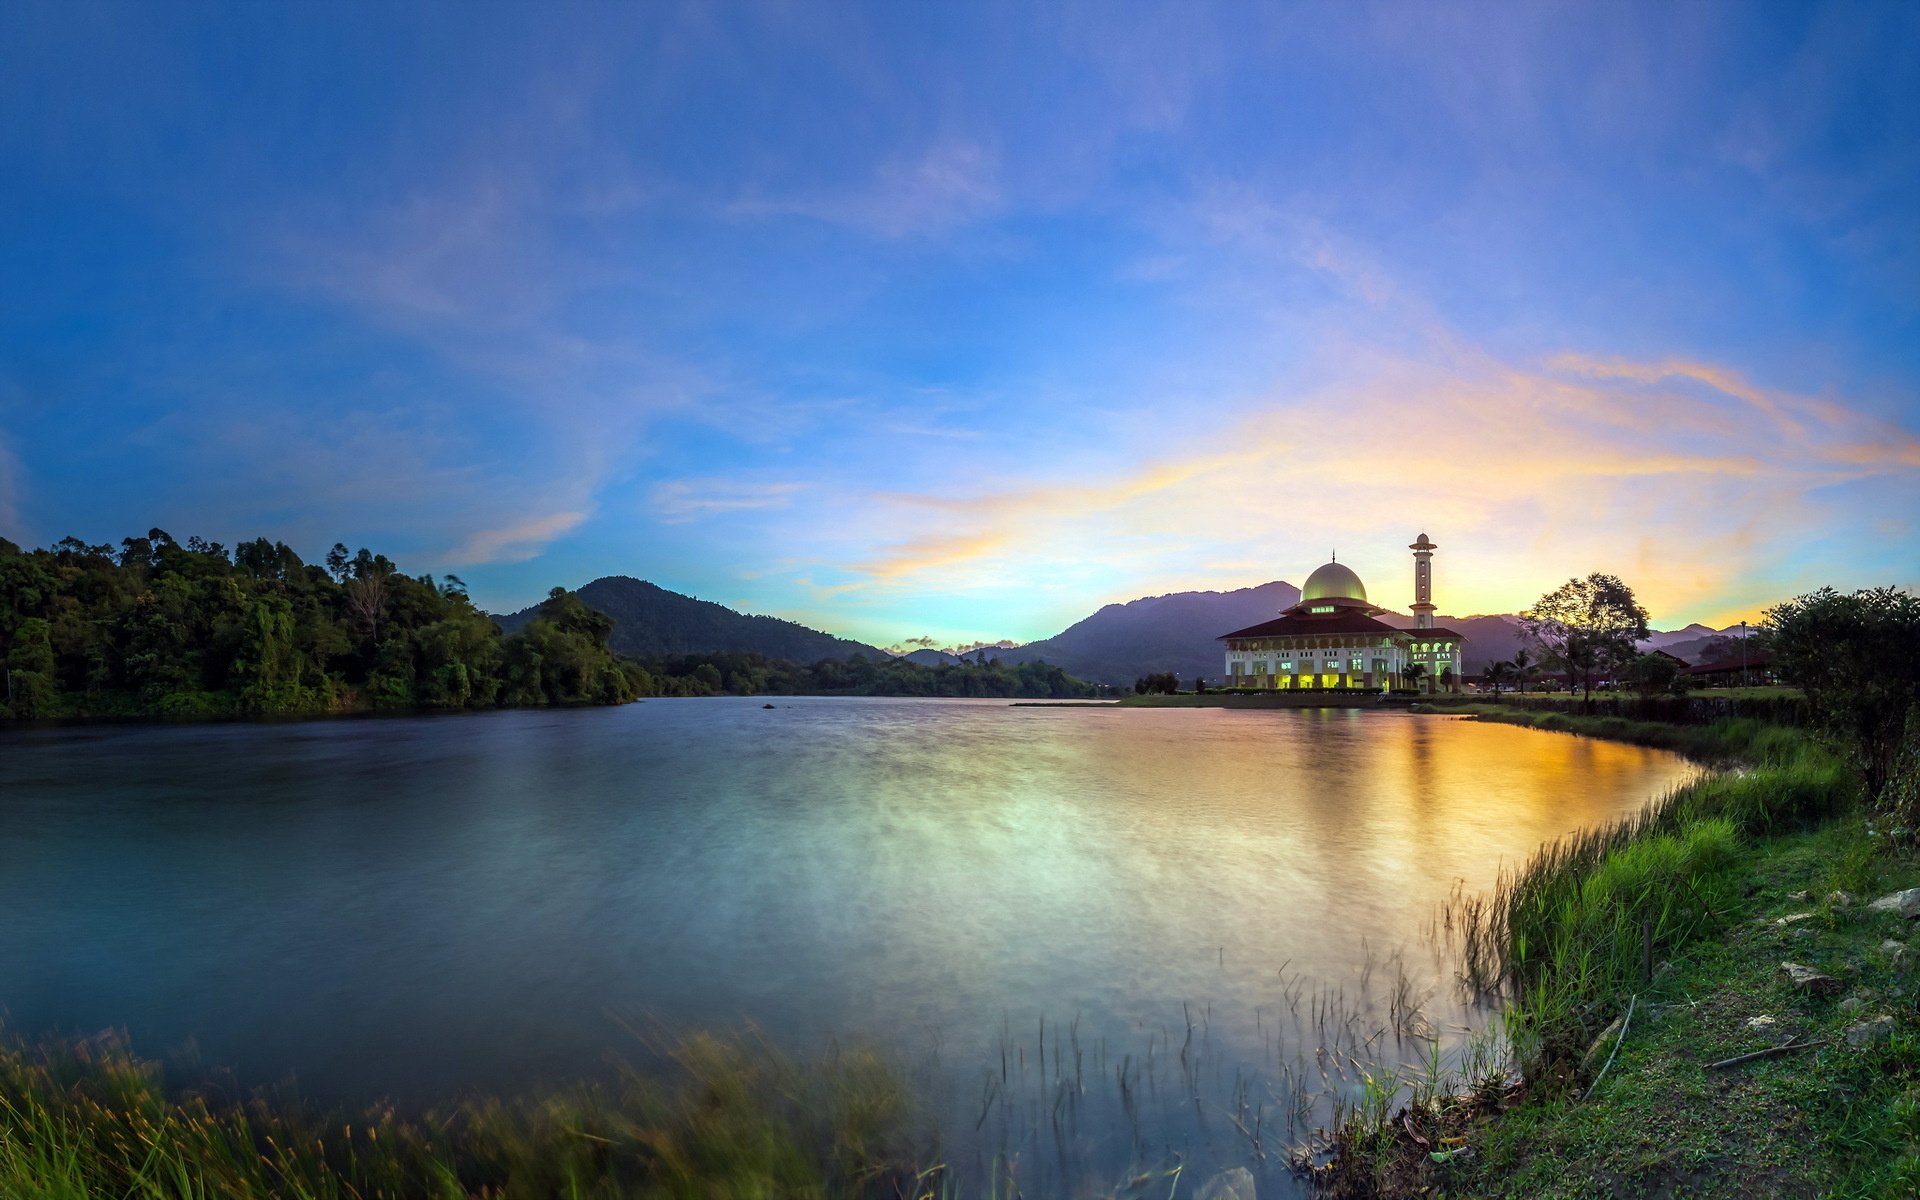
(1867, 1032)
(1810, 979)
(1906, 903)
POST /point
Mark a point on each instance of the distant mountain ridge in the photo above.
(1175, 632)
(1179, 632)
(1119, 643)
(651, 621)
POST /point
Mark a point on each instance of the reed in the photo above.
(1566, 939)
(731, 1117)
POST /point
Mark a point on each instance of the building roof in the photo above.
(1344, 622)
(1333, 580)
(1759, 660)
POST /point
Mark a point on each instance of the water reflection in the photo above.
(411, 907)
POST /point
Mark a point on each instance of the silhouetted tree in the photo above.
(1652, 673)
(1857, 658)
(1497, 675)
(1587, 626)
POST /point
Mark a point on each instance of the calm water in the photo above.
(409, 907)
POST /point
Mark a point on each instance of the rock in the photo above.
(1602, 1046)
(1762, 1023)
(1790, 918)
(1868, 1032)
(1236, 1184)
(1843, 900)
(1851, 1005)
(1799, 895)
(1906, 903)
(1810, 980)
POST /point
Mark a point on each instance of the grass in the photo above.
(1696, 886)
(1699, 881)
(1731, 741)
(730, 1118)
(1836, 1121)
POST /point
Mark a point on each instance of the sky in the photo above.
(962, 320)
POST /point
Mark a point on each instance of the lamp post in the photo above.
(1746, 680)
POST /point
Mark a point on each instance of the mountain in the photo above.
(1667, 638)
(1174, 632)
(935, 658)
(1694, 650)
(650, 620)
(1177, 633)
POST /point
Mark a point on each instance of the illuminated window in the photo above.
(1323, 608)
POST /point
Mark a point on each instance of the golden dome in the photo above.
(1334, 581)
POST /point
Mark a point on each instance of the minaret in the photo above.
(1423, 582)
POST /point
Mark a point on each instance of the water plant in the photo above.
(730, 1116)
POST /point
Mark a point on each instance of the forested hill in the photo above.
(158, 627)
(649, 622)
(1176, 632)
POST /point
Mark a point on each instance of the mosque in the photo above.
(1331, 639)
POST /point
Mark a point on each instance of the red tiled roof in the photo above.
(1338, 623)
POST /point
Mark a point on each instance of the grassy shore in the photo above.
(1708, 889)
(84, 1119)
(1611, 1088)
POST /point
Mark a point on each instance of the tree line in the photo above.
(1855, 656)
(746, 674)
(159, 627)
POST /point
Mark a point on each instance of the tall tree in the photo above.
(1497, 675)
(1588, 627)
(1651, 674)
(1524, 668)
(1857, 658)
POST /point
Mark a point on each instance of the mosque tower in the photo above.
(1423, 582)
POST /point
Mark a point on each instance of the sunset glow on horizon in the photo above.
(964, 321)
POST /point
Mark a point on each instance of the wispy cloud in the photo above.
(678, 500)
(950, 183)
(1527, 473)
(515, 544)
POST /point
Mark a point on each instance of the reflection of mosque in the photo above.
(1332, 639)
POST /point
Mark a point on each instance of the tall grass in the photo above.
(1568, 937)
(732, 1118)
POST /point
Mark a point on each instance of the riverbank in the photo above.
(1658, 948)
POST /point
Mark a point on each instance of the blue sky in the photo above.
(962, 320)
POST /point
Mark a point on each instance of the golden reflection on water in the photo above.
(1120, 862)
(412, 907)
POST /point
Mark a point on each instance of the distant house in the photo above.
(1757, 668)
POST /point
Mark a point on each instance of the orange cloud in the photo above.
(1527, 475)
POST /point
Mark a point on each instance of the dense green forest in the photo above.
(164, 628)
(744, 674)
(171, 629)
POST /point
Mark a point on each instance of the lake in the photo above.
(410, 907)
